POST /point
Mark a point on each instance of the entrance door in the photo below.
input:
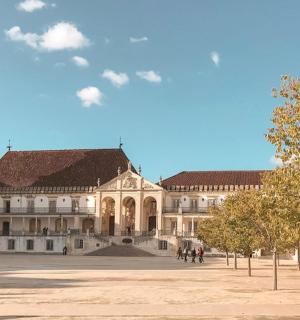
(111, 230)
(5, 228)
(152, 223)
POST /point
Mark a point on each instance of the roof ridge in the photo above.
(64, 150)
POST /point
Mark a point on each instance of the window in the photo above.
(29, 244)
(49, 245)
(194, 203)
(30, 206)
(78, 243)
(7, 206)
(75, 205)
(176, 203)
(52, 206)
(11, 244)
(163, 245)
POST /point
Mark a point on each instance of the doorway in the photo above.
(152, 223)
(5, 228)
(111, 227)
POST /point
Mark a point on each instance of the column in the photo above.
(159, 216)
(61, 224)
(137, 214)
(11, 226)
(98, 213)
(36, 225)
(193, 227)
(118, 213)
(77, 222)
(179, 224)
(23, 226)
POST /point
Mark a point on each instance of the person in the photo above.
(193, 255)
(201, 253)
(65, 249)
(179, 253)
(185, 254)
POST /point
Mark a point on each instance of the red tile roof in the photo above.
(214, 178)
(61, 167)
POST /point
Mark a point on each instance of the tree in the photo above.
(212, 231)
(240, 214)
(285, 136)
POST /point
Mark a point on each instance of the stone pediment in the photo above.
(129, 181)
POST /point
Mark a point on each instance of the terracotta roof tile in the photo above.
(214, 178)
(61, 167)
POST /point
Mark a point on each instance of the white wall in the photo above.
(19, 202)
(41, 202)
(64, 204)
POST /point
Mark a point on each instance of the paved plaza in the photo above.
(73, 287)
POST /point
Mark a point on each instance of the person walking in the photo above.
(201, 255)
(179, 253)
(65, 249)
(193, 255)
(185, 254)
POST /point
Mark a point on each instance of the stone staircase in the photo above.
(120, 251)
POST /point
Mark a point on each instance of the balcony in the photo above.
(178, 210)
(48, 211)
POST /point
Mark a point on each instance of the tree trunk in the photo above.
(298, 255)
(278, 260)
(227, 258)
(249, 265)
(274, 270)
(235, 261)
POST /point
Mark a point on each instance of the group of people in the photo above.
(183, 254)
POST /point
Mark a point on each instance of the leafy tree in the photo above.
(212, 231)
(240, 212)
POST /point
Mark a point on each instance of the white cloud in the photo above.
(135, 40)
(150, 76)
(276, 161)
(215, 57)
(61, 36)
(90, 96)
(117, 79)
(31, 5)
(80, 62)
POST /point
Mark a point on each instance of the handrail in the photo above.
(49, 210)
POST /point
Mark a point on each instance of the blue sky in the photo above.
(187, 84)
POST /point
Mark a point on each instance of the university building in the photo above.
(89, 200)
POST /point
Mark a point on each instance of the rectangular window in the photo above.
(29, 244)
(194, 203)
(78, 243)
(49, 245)
(30, 206)
(163, 245)
(176, 203)
(7, 206)
(11, 244)
(75, 205)
(52, 206)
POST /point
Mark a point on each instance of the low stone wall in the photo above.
(39, 244)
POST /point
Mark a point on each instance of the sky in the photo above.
(186, 84)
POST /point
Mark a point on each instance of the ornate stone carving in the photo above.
(130, 182)
(148, 186)
(112, 185)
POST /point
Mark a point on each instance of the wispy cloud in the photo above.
(61, 36)
(135, 40)
(90, 96)
(150, 76)
(215, 57)
(276, 161)
(80, 61)
(117, 79)
(31, 5)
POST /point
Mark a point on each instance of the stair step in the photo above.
(121, 251)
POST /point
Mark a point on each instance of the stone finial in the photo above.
(119, 171)
(160, 180)
(140, 169)
(129, 165)
(98, 182)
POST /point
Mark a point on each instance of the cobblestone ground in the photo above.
(58, 287)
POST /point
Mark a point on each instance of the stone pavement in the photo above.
(57, 287)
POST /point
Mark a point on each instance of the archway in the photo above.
(128, 216)
(108, 216)
(88, 225)
(61, 225)
(34, 225)
(149, 214)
